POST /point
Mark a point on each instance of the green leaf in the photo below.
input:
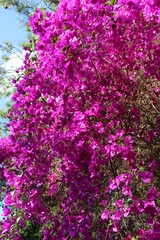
(17, 220)
(113, 2)
(134, 238)
(141, 169)
(129, 200)
(5, 58)
(9, 45)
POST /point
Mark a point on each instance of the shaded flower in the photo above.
(126, 190)
(146, 176)
(153, 165)
(150, 207)
(104, 203)
(156, 228)
(135, 114)
(73, 229)
(141, 234)
(151, 195)
(140, 206)
(119, 202)
(150, 221)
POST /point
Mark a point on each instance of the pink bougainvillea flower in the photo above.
(115, 227)
(7, 225)
(104, 202)
(73, 229)
(156, 229)
(140, 206)
(152, 195)
(107, 190)
(119, 202)
(150, 221)
(128, 140)
(126, 190)
(150, 207)
(125, 211)
(120, 133)
(105, 214)
(146, 176)
(125, 178)
(116, 216)
(135, 114)
(114, 184)
(6, 211)
(141, 233)
(153, 165)
(150, 234)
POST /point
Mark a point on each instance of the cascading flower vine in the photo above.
(82, 157)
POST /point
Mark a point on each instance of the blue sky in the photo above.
(13, 31)
(10, 29)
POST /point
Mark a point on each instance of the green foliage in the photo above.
(110, 2)
(113, 2)
(32, 231)
(26, 7)
(5, 58)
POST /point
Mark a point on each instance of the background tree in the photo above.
(25, 9)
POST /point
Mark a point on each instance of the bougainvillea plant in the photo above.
(82, 159)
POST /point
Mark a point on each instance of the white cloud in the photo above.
(15, 61)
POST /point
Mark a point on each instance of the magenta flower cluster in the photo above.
(81, 158)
